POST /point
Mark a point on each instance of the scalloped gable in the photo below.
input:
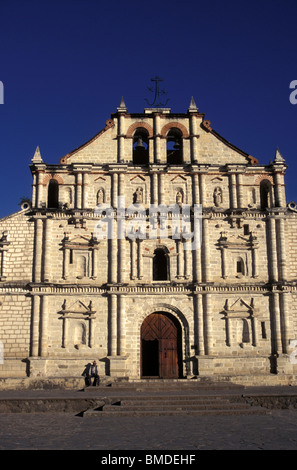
(100, 148)
(226, 152)
(212, 148)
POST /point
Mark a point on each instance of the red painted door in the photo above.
(159, 336)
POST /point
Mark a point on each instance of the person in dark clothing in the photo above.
(93, 373)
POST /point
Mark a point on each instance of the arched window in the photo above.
(53, 194)
(140, 147)
(265, 194)
(160, 265)
(174, 147)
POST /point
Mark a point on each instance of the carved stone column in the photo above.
(161, 188)
(195, 188)
(114, 190)
(113, 325)
(121, 323)
(84, 190)
(285, 319)
(240, 199)
(208, 324)
(157, 138)
(199, 324)
(140, 259)
(280, 199)
(133, 258)
(282, 250)
(47, 250)
(205, 251)
(202, 189)
(232, 187)
(120, 234)
(276, 323)
(187, 254)
(78, 203)
(154, 188)
(272, 249)
(194, 138)
(180, 255)
(39, 186)
(121, 132)
(44, 326)
(35, 325)
(66, 260)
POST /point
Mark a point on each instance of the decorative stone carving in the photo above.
(239, 246)
(218, 196)
(78, 317)
(81, 253)
(241, 325)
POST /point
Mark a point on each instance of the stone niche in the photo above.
(80, 257)
(78, 325)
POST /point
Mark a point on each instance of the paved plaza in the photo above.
(64, 431)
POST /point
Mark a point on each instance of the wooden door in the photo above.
(160, 337)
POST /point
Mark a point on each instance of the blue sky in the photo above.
(65, 64)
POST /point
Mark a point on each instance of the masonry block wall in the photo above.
(143, 302)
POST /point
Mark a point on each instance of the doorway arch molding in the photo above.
(181, 318)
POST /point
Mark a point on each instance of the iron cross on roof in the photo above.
(157, 103)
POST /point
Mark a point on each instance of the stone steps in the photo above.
(159, 405)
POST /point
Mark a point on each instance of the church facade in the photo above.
(157, 248)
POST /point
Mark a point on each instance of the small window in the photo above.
(246, 229)
(263, 330)
(160, 265)
(239, 267)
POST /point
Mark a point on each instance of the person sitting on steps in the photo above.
(93, 373)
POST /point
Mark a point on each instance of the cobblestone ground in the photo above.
(276, 431)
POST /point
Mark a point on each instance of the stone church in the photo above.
(158, 249)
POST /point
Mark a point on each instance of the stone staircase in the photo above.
(161, 398)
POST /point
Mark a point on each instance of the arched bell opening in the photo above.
(53, 194)
(174, 147)
(141, 147)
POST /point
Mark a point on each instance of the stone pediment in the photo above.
(77, 309)
(239, 309)
(79, 242)
(178, 178)
(237, 241)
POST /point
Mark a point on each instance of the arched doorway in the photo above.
(161, 350)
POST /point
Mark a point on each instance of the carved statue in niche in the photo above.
(218, 196)
(179, 197)
(138, 196)
(100, 197)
